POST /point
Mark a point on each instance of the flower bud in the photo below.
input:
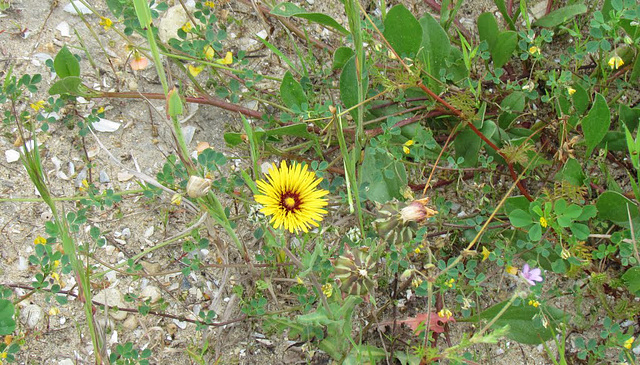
(198, 187)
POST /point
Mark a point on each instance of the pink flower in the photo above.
(531, 275)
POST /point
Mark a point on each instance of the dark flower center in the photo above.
(290, 201)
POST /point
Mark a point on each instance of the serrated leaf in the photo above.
(632, 280)
(403, 31)
(596, 124)
(559, 16)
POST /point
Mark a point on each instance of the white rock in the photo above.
(66, 362)
(31, 315)
(23, 263)
(181, 324)
(149, 232)
(173, 20)
(69, 8)
(262, 34)
(64, 29)
(112, 297)
(105, 125)
(124, 176)
(131, 323)
(12, 155)
(151, 292)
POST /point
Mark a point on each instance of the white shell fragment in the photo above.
(64, 29)
(12, 155)
(106, 125)
(69, 8)
(198, 187)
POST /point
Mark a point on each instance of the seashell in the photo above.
(198, 186)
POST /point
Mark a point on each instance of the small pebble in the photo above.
(31, 315)
(104, 178)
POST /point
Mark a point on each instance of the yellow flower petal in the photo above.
(289, 195)
(511, 270)
(615, 62)
(195, 70)
(485, 253)
(227, 60)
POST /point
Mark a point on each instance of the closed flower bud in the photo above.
(198, 187)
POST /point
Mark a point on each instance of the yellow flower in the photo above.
(209, 52)
(615, 62)
(227, 60)
(106, 23)
(299, 280)
(8, 339)
(327, 290)
(195, 70)
(445, 313)
(100, 110)
(54, 311)
(56, 263)
(571, 90)
(176, 199)
(3, 355)
(628, 343)
(210, 4)
(187, 27)
(55, 276)
(416, 282)
(485, 253)
(37, 105)
(534, 50)
(406, 145)
(39, 240)
(543, 222)
(290, 195)
(417, 250)
(450, 282)
(534, 303)
(511, 270)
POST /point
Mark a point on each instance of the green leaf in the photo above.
(289, 10)
(535, 232)
(340, 57)
(613, 206)
(488, 29)
(66, 64)
(294, 130)
(596, 124)
(506, 43)
(572, 173)
(516, 202)
(467, 145)
(519, 218)
(514, 102)
(403, 31)
(632, 280)
(580, 231)
(382, 177)
(365, 354)
(525, 322)
(349, 86)
(292, 93)
(557, 17)
(435, 48)
(7, 323)
(580, 99)
(629, 116)
(69, 85)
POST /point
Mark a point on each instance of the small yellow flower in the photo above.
(3, 355)
(511, 270)
(37, 105)
(327, 290)
(176, 199)
(54, 311)
(101, 110)
(450, 282)
(543, 222)
(187, 27)
(210, 4)
(534, 50)
(628, 343)
(417, 250)
(299, 280)
(615, 62)
(85, 185)
(227, 60)
(406, 145)
(445, 313)
(8, 339)
(485, 253)
(571, 90)
(534, 303)
(106, 23)
(209, 52)
(55, 276)
(416, 282)
(56, 264)
(39, 240)
(195, 70)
